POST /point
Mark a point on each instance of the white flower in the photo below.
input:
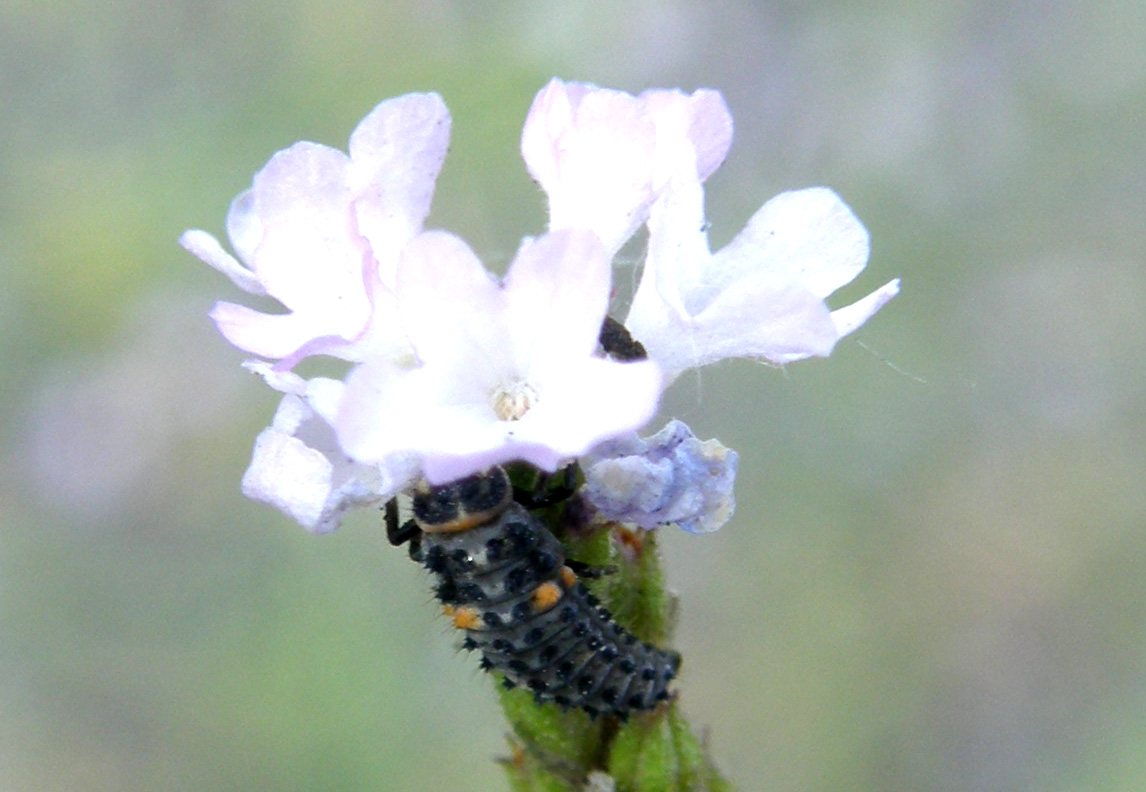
(458, 371)
(321, 231)
(761, 296)
(507, 371)
(604, 156)
(609, 161)
(298, 468)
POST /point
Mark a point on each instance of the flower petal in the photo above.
(321, 231)
(757, 318)
(297, 469)
(283, 381)
(586, 401)
(760, 318)
(428, 410)
(388, 411)
(310, 258)
(536, 335)
(244, 228)
(678, 264)
(710, 130)
(396, 154)
(809, 235)
(694, 132)
(287, 474)
(451, 307)
(669, 478)
(849, 318)
(209, 251)
(762, 295)
(556, 294)
(273, 336)
(592, 150)
(603, 156)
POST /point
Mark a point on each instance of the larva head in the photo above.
(462, 504)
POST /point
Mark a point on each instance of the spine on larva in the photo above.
(504, 581)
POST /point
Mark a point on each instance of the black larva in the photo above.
(503, 578)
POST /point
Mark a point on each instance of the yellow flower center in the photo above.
(512, 400)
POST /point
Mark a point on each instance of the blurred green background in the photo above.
(936, 578)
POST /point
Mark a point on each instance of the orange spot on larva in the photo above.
(568, 577)
(466, 618)
(546, 595)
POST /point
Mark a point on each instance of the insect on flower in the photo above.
(504, 580)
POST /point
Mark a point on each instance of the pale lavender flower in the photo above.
(604, 156)
(298, 467)
(762, 295)
(320, 231)
(507, 370)
(670, 477)
(610, 161)
(458, 371)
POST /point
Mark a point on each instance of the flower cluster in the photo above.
(454, 370)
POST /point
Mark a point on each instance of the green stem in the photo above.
(556, 750)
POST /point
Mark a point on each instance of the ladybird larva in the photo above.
(503, 576)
